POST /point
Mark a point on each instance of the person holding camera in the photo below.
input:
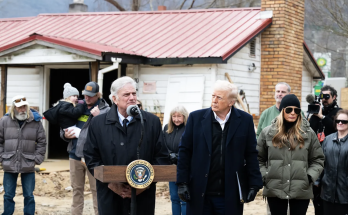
(172, 134)
(322, 124)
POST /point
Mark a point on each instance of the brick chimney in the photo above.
(282, 49)
(78, 7)
(161, 7)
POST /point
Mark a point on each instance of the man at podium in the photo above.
(217, 156)
(113, 139)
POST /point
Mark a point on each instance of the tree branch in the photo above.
(116, 4)
(182, 4)
(193, 1)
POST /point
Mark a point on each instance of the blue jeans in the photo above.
(178, 206)
(214, 205)
(28, 185)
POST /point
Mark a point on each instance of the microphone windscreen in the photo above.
(132, 110)
(310, 98)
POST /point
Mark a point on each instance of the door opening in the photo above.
(78, 78)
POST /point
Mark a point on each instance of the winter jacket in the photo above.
(104, 108)
(173, 139)
(22, 147)
(284, 171)
(64, 114)
(334, 179)
(266, 118)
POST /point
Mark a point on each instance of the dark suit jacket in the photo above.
(195, 158)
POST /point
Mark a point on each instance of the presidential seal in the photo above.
(140, 174)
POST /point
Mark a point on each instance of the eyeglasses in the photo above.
(341, 121)
(290, 109)
(19, 100)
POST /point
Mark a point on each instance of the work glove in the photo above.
(183, 192)
(251, 195)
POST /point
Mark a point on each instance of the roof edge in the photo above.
(153, 12)
(16, 19)
(309, 53)
(259, 30)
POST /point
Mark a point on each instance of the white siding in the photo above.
(307, 88)
(249, 81)
(27, 82)
(155, 102)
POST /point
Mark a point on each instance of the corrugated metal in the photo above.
(7, 24)
(160, 34)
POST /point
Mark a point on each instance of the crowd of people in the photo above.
(221, 161)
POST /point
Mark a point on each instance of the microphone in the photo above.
(132, 110)
(309, 98)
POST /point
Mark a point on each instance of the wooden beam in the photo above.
(108, 174)
(3, 89)
(94, 71)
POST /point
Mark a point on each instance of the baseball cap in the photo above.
(91, 89)
(19, 100)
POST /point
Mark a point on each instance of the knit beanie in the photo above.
(289, 100)
(69, 91)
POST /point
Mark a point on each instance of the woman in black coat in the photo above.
(172, 135)
(334, 179)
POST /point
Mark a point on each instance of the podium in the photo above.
(110, 174)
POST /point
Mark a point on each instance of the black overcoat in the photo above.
(195, 158)
(108, 144)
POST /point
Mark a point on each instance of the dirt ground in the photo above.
(53, 197)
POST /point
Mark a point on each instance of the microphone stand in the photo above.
(134, 191)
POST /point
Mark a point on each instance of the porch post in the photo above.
(3, 89)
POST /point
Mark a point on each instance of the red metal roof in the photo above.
(6, 24)
(159, 34)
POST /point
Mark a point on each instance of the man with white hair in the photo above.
(22, 145)
(218, 153)
(281, 89)
(113, 139)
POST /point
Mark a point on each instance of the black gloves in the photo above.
(309, 179)
(173, 158)
(183, 192)
(251, 195)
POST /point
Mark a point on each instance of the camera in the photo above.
(314, 102)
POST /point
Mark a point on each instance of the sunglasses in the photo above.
(325, 96)
(290, 109)
(341, 121)
(19, 100)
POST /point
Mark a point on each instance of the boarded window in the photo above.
(252, 48)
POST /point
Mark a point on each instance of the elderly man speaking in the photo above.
(217, 143)
(113, 140)
(22, 145)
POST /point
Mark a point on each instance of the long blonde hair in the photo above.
(178, 109)
(12, 108)
(293, 135)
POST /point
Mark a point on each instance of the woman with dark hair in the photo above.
(334, 180)
(290, 158)
(172, 135)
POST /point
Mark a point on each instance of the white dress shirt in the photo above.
(222, 122)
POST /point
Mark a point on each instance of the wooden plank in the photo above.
(94, 71)
(108, 174)
(3, 89)
(344, 98)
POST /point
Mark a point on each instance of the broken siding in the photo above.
(155, 102)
